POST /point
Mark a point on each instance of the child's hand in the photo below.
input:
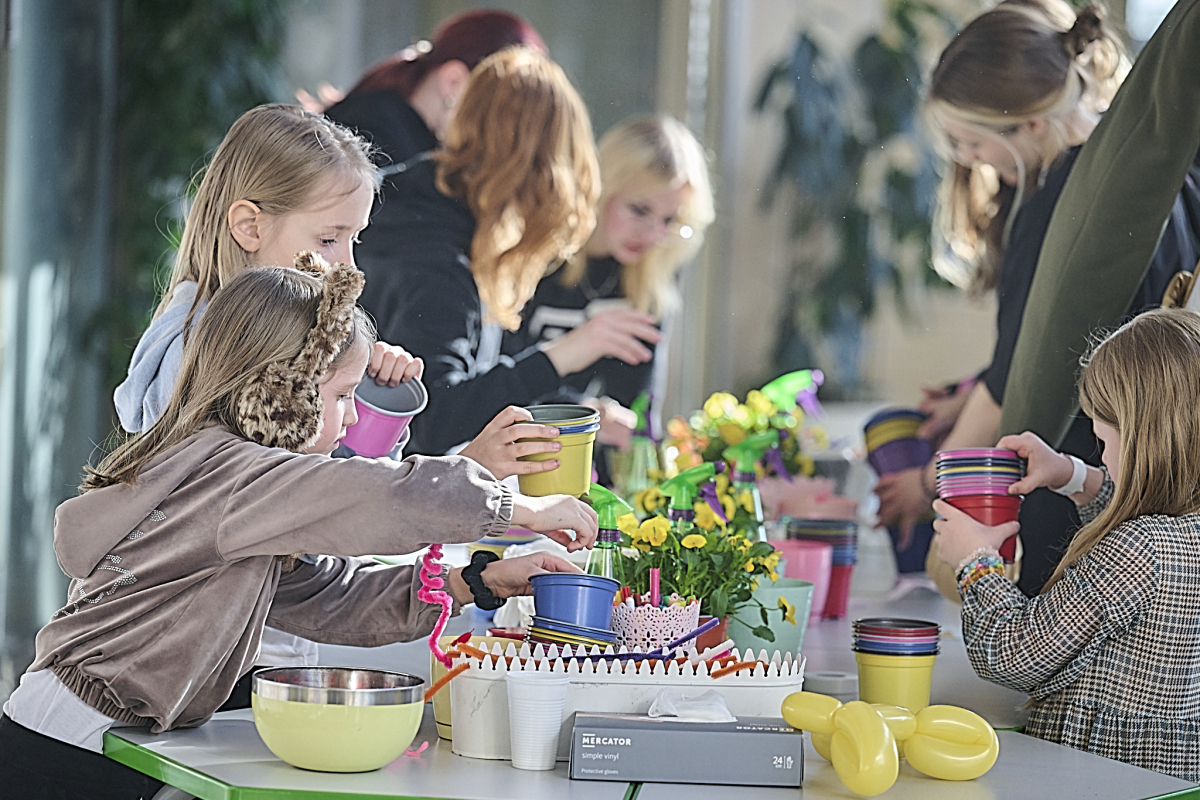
(554, 516)
(903, 501)
(1046, 467)
(620, 333)
(392, 365)
(497, 450)
(509, 577)
(959, 534)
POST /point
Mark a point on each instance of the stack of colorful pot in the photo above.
(577, 426)
(572, 608)
(842, 536)
(895, 660)
(892, 441)
(977, 480)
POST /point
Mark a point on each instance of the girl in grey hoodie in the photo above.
(186, 540)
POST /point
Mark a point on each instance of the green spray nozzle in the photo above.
(784, 391)
(746, 453)
(609, 507)
(683, 488)
(641, 407)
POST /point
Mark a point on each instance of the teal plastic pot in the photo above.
(789, 638)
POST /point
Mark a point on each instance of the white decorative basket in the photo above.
(640, 629)
(479, 696)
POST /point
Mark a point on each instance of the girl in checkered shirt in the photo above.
(1109, 652)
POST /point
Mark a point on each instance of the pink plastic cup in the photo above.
(383, 415)
(808, 561)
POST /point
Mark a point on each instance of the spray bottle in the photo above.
(744, 456)
(796, 388)
(605, 558)
(682, 489)
(643, 471)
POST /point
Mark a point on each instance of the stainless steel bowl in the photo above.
(339, 686)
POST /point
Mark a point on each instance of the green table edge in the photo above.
(1182, 794)
(208, 788)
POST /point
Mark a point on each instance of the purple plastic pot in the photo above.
(899, 455)
(575, 598)
(383, 415)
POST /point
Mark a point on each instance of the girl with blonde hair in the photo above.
(655, 205)
(1012, 98)
(184, 541)
(1109, 650)
(473, 229)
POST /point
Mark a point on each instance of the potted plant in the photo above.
(714, 562)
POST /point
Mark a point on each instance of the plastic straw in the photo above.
(654, 596)
(712, 623)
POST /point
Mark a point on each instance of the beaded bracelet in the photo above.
(980, 563)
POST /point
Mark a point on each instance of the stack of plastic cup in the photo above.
(535, 711)
(572, 608)
(892, 441)
(895, 660)
(842, 536)
(810, 561)
(976, 480)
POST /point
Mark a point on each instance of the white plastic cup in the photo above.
(535, 708)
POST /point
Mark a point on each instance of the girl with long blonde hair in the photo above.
(1109, 650)
(184, 541)
(473, 228)
(1012, 98)
(655, 205)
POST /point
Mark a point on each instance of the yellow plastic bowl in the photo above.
(337, 719)
(573, 475)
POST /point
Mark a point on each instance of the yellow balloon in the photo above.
(821, 742)
(863, 750)
(810, 711)
(900, 720)
(952, 744)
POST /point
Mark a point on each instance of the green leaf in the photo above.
(764, 632)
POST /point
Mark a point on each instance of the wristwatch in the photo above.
(485, 599)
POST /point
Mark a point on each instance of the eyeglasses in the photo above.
(644, 216)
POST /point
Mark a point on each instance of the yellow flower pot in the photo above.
(573, 475)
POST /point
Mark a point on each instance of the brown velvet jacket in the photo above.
(173, 579)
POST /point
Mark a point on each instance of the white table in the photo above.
(225, 759)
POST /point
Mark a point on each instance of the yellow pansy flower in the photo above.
(746, 500)
(748, 566)
(654, 530)
(705, 517)
(773, 575)
(694, 541)
(758, 402)
(719, 404)
(722, 483)
(728, 506)
(772, 560)
(731, 432)
(627, 524)
(648, 500)
(789, 610)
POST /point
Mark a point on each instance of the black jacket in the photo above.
(557, 309)
(422, 294)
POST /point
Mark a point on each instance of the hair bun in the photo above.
(1088, 27)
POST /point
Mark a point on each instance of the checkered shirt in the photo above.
(1110, 655)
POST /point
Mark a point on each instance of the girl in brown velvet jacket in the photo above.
(188, 538)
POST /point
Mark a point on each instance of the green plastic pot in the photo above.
(788, 637)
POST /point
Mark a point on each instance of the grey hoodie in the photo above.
(145, 392)
(173, 579)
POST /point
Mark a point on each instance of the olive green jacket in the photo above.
(1107, 224)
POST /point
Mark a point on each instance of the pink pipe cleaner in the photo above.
(431, 592)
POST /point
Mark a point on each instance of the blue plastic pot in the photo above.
(574, 598)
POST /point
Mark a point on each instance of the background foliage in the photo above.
(188, 69)
(863, 177)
